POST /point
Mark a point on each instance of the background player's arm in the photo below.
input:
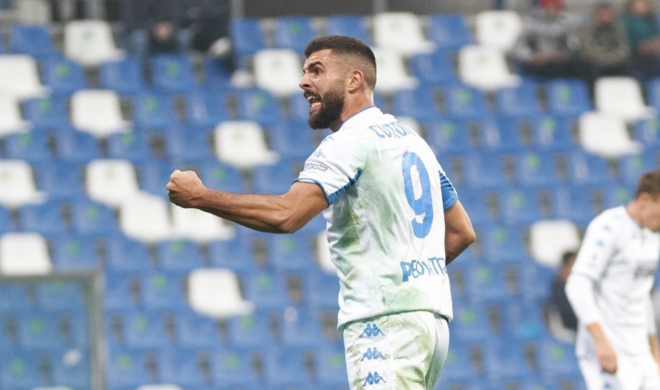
(268, 213)
(653, 334)
(459, 233)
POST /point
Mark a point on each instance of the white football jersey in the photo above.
(387, 195)
(620, 258)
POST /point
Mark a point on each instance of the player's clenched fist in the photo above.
(185, 188)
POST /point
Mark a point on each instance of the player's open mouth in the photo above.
(314, 102)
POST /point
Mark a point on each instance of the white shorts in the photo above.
(633, 373)
(396, 351)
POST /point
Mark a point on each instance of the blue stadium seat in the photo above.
(45, 218)
(550, 133)
(448, 135)
(536, 169)
(465, 102)
(502, 243)
(617, 195)
(433, 68)
(235, 254)
(502, 135)
(124, 254)
(290, 252)
(476, 205)
(470, 323)
(15, 298)
(584, 168)
(567, 98)
(293, 32)
(518, 101)
(189, 144)
(62, 180)
(6, 223)
(351, 25)
(131, 146)
(273, 179)
(75, 374)
(418, 103)
(140, 329)
(493, 282)
(285, 366)
(172, 73)
(78, 146)
(574, 202)
(298, 109)
(485, 170)
(74, 253)
(207, 108)
(557, 359)
(250, 331)
(292, 140)
(20, 370)
(331, 365)
(534, 281)
(179, 255)
(31, 147)
(59, 295)
(321, 290)
(122, 289)
(153, 110)
(221, 176)
(233, 367)
(33, 40)
(300, 328)
(183, 367)
(449, 31)
(520, 205)
(647, 131)
(258, 105)
(246, 36)
(126, 368)
(154, 174)
(47, 111)
(39, 331)
(266, 289)
(504, 358)
(653, 93)
(196, 331)
(524, 319)
(89, 217)
(216, 75)
(63, 75)
(632, 168)
(123, 76)
(164, 290)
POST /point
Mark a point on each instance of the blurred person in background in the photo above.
(644, 37)
(152, 26)
(562, 320)
(548, 43)
(207, 24)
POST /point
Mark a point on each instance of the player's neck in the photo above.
(354, 105)
(634, 212)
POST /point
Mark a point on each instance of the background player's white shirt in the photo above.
(620, 258)
(386, 217)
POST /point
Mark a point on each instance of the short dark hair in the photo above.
(649, 183)
(345, 45)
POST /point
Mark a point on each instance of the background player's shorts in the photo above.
(633, 373)
(403, 351)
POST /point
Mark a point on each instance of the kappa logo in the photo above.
(318, 153)
(373, 379)
(372, 330)
(373, 354)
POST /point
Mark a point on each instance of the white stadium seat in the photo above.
(11, 120)
(19, 77)
(400, 32)
(111, 181)
(90, 42)
(485, 67)
(24, 254)
(199, 226)
(549, 239)
(243, 144)
(97, 112)
(145, 218)
(622, 97)
(391, 72)
(216, 292)
(17, 184)
(278, 71)
(498, 29)
(606, 135)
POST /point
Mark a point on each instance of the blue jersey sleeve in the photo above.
(449, 195)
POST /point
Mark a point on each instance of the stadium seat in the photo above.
(140, 329)
(258, 105)
(573, 202)
(196, 225)
(145, 218)
(31, 147)
(300, 328)
(242, 144)
(90, 42)
(400, 32)
(485, 170)
(621, 97)
(33, 40)
(20, 77)
(76, 146)
(290, 252)
(111, 181)
(132, 146)
(11, 120)
(6, 223)
(221, 176)
(449, 31)
(285, 366)
(493, 282)
(46, 111)
(536, 169)
(477, 207)
(205, 285)
(499, 135)
(125, 255)
(192, 330)
(189, 144)
(172, 73)
(298, 108)
(122, 290)
(459, 366)
(550, 133)
(124, 76)
(97, 112)
(56, 295)
(485, 67)
(273, 179)
(92, 218)
(504, 359)
(470, 323)
(321, 290)
(62, 75)
(216, 75)
(20, 370)
(74, 253)
(251, 331)
(464, 102)
(617, 195)
(448, 135)
(498, 29)
(17, 185)
(164, 289)
(183, 367)
(293, 32)
(419, 103)
(391, 72)
(73, 372)
(246, 36)
(235, 255)
(631, 168)
(550, 239)
(267, 289)
(503, 243)
(351, 25)
(526, 319)
(278, 71)
(126, 367)
(179, 255)
(567, 98)
(207, 108)
(39, 331)
(606, 135)
(647, 132)
(584, 168)
(24, 254)
(153, 110)
(233, 367)
(519, 101)
(292, 139)
(433, 68)
(331, 365)
(44, 218)
(16, 299)
(153, 175)
(557, 359)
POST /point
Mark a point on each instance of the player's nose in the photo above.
(304, 82)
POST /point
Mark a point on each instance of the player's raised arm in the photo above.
(268, 213)
(459, 233)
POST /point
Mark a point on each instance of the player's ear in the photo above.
(356, 80)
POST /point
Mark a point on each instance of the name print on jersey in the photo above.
(417, 268)
(391, 130)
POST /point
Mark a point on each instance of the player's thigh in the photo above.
(594, 377)
(440, 354)
(390, 352)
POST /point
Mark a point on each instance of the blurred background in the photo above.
(543, 113)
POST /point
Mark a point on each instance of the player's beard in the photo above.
(331, 108)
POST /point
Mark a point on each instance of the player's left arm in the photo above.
(268, 213)
(459, 233)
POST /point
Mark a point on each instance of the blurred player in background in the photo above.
(393, 220)
(609, 289)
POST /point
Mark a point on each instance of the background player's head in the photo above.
(648, 199)
(339, 73)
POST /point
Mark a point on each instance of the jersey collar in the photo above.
(360, 113)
